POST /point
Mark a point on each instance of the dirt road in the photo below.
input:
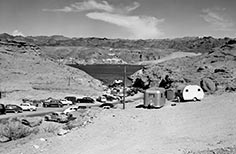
(208, 124)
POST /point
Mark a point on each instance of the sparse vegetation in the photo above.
(50, 128)
(81, 120)
(14, 129)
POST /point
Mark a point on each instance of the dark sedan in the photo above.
(50, 102)
(12, 108)
(2, 109)
(86, 100)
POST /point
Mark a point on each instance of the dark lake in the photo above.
(108, 72)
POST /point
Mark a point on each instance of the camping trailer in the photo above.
(190, 92)
(154, 97)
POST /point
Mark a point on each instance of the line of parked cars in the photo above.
(31, 105)
(13, 108)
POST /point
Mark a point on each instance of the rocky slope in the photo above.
(103, 50)
(217, 65)
(26, 73)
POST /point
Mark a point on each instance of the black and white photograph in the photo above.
(117, 77)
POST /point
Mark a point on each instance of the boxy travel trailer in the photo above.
(154, 97)
(190, 92)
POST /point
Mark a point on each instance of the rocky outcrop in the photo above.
(208, 85)
(218, 65)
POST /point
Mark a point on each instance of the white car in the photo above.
(65, 102)
(28, 107)
(70, 109)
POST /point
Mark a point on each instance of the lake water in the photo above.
(107, 73)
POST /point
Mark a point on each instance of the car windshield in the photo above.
(24, 104)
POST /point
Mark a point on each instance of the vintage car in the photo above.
(66, 102)
(85, 100)
(51, 102)
(71, 98)
(12, 108)
(101, 99)
(71, 109)
(58, 117)
(28, 107)
(2, 109)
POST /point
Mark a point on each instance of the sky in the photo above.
(126, 19)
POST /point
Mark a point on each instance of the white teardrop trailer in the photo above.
(189, 93)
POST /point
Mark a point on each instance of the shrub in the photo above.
(82, 119)
(15, 130)
(51, 128)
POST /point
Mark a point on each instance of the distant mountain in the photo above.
(195, 44)
(101, 50)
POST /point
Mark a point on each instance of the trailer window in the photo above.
(152, 95)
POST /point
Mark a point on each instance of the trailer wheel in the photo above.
(178, 99)
(195, 99)
(46, 119)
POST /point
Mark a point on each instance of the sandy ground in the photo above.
(191, 126)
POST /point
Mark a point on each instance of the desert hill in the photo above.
(218, 65)
(102, 50)
(26, 73)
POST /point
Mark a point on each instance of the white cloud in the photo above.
(85, 6)
(218, 19)
(17, 33)
(139, 27)
(132, 7)
(92, 5)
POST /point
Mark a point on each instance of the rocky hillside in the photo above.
(25, 72)
(217, 65)
(103, 50)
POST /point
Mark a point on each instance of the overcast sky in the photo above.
(131, 19)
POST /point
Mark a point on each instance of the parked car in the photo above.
(66, 102)
(50, 102)
(58, 117)
(70, 109)
(32, 102)
(13, 108)
(110, 97)
(101, 99)
(2, 109)
(71, 98)
(28, 107)
(86, 100)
